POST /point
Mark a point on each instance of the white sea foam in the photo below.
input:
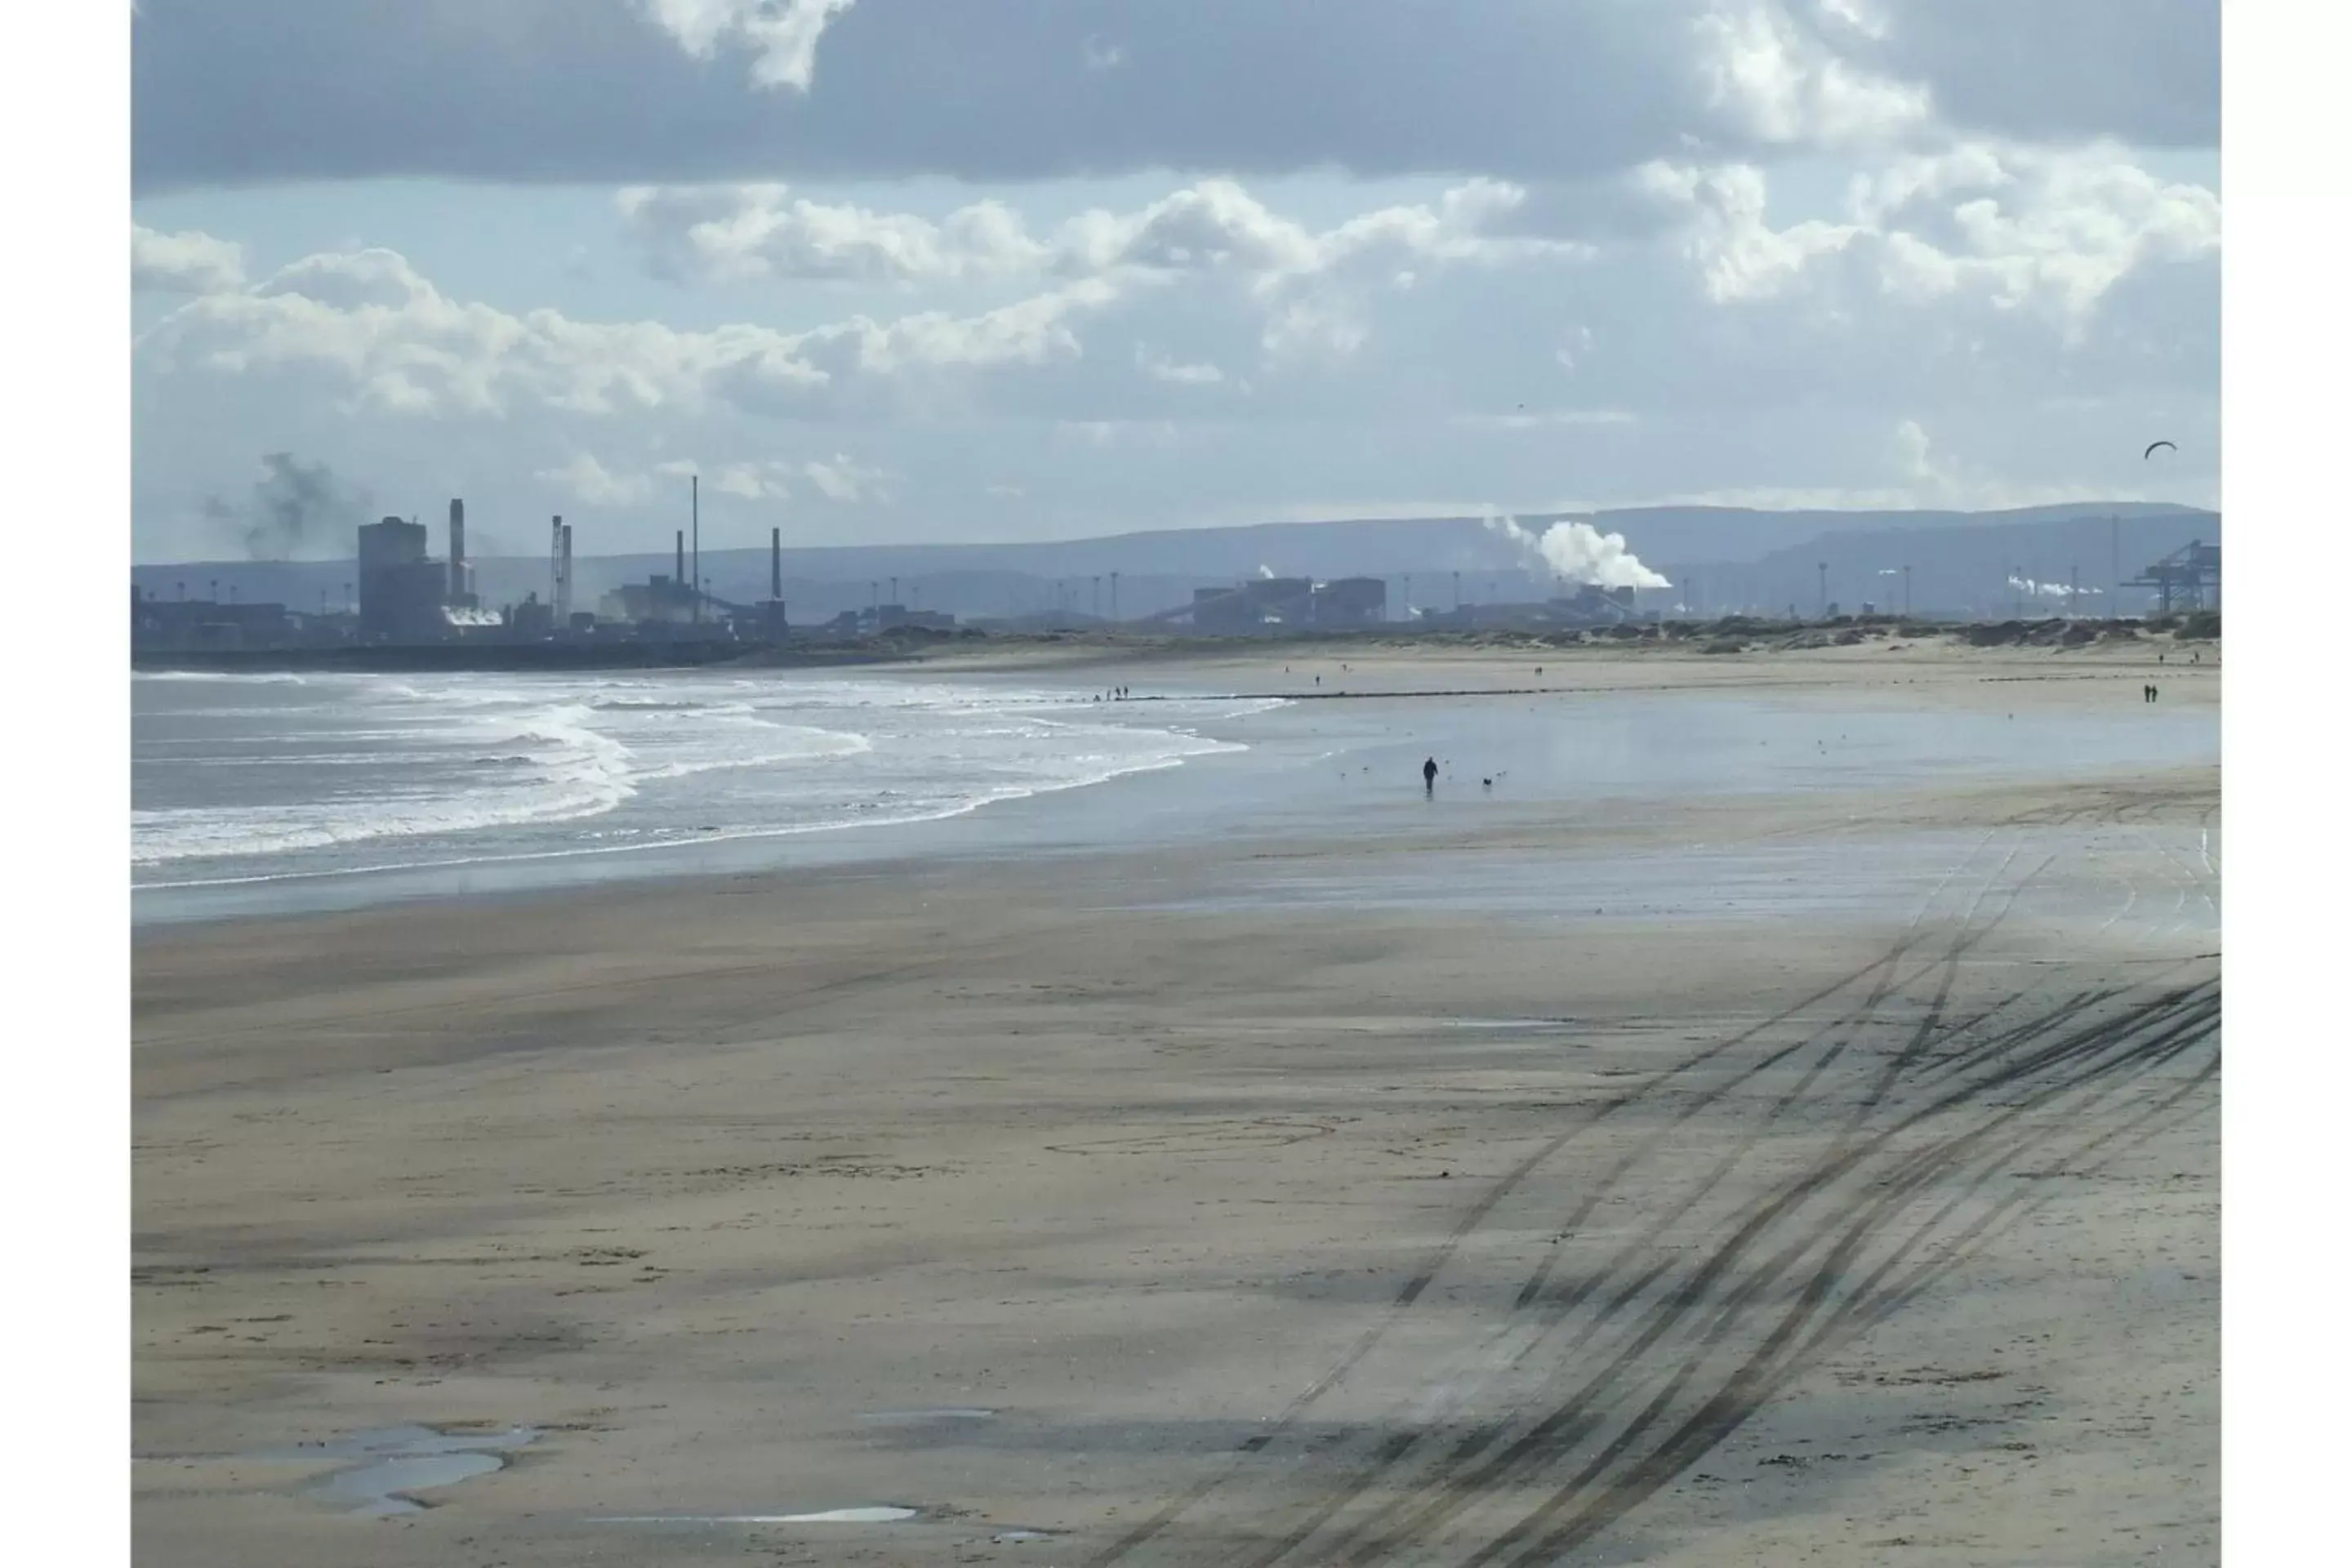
(456, 770)
(254, 677)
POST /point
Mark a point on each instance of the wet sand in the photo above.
(1825, 1176)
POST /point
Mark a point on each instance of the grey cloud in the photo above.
(2144, 72)
(231, 91)
(238, 92)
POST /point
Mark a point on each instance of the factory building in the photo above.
(192, 623)
(1265, 605)
(1256, 606)
(1352, 602)
(658, 601)
(401, 589)
(890, 617)
(1593, 602)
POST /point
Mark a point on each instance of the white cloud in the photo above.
(190, 262)
(721, 234)
(839, 478)
(370, 321)
(1312, 330)
(782, 34)
(753, 481)
(1781, 81)
(1546, 419)
(1740, 254)
(1159, 367)
(2017, 228)
(1307, 283)
(1574, 346)
(1104, 433)
(587, 482)
(842, 478)
(1859, 17)
(735, 233)
(1932, 484)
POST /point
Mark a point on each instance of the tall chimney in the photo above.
(681, 558)
(775, 563)
(563, 612)
(696, 495)
(457, 550)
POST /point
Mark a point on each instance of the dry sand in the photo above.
(1110, 1199)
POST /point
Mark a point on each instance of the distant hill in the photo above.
(1735, 557)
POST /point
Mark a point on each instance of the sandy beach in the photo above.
(1822, 1174)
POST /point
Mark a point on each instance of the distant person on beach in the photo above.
(1429, 777)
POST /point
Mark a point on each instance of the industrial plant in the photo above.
(398, 600)
(406, 599)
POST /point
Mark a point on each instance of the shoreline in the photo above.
(1733, 636)
(1463, 702)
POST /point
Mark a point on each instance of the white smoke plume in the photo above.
(1581, 553)
(1265, 572)
(2048, 590)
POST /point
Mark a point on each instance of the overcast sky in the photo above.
(936, 269)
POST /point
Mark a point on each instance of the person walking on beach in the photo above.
(1429, 777)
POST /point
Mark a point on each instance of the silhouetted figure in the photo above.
(1429, 777)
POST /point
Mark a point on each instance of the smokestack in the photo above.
(563, 608)
(695, 499)
(775, 563)
(457, 550)
(681, 558)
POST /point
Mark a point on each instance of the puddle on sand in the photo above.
(401, 1460)
(383, 1488)
(925, 1418)
(886, 1514)
(876, 1513)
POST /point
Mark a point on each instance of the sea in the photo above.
(240, 779)
(278, 793)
